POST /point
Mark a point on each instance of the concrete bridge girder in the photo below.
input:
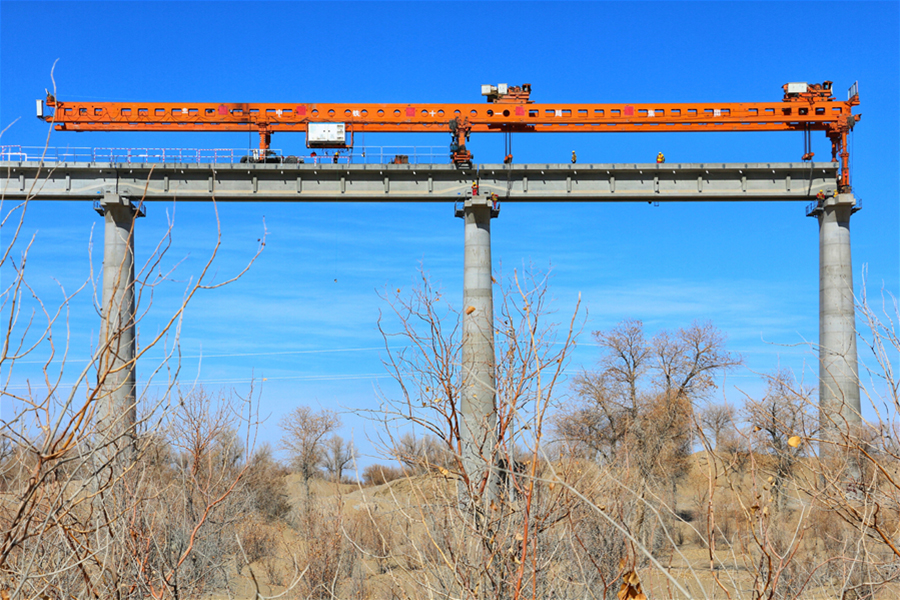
(420, 183)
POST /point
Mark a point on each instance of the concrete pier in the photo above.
(839, 401)
(116, 407)
(478, 418)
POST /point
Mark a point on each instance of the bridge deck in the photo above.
(418, 183)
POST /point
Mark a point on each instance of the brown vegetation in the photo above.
(642, 486)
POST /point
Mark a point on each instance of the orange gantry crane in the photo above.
(803, 107)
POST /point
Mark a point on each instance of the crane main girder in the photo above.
(515, 112)
(143, 116)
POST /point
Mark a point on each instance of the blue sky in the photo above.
(305, 316)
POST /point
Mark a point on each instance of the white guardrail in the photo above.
(359, 155)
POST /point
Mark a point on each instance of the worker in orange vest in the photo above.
(660, 158)
(508, 159)
(574, 158)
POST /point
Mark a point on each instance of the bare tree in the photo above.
(304, 437)
(717, 420)
(637, 408)
(469, 550)
(786, 413)
(421, 454)
(338, 454)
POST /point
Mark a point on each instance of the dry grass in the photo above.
(394, 538)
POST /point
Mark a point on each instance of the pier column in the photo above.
(116, 399)
(839, 403)
(478, 419)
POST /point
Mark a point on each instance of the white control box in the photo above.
(320, 134)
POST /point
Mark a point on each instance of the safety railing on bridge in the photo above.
(119, 155)
(358, 155)
(165, 155)
(814, 208)
(400, 155)
(47, 154)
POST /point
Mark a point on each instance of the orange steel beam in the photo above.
(516, 115)
(118, 116)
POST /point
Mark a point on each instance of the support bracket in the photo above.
(101, 205)
(491, 201)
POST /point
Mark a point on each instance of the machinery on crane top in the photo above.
(804, 107)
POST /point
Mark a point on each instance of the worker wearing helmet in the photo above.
(574, 158)
(660, 159)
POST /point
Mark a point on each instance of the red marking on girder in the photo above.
(223, 110)
(410, 111)
(520, 112)
(629, 111)
(301, 110)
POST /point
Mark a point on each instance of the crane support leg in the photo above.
(845, 164)
(839, 403)
(478, 407)
(116, 400)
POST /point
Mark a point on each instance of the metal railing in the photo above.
(358, 155)
(165, 155)
(48, 154)
(812, 208)
(400, 154)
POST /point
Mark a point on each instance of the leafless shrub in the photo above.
(80, 479)
(422, 454)
(326, 557)
(380, 474)
(264, 481)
